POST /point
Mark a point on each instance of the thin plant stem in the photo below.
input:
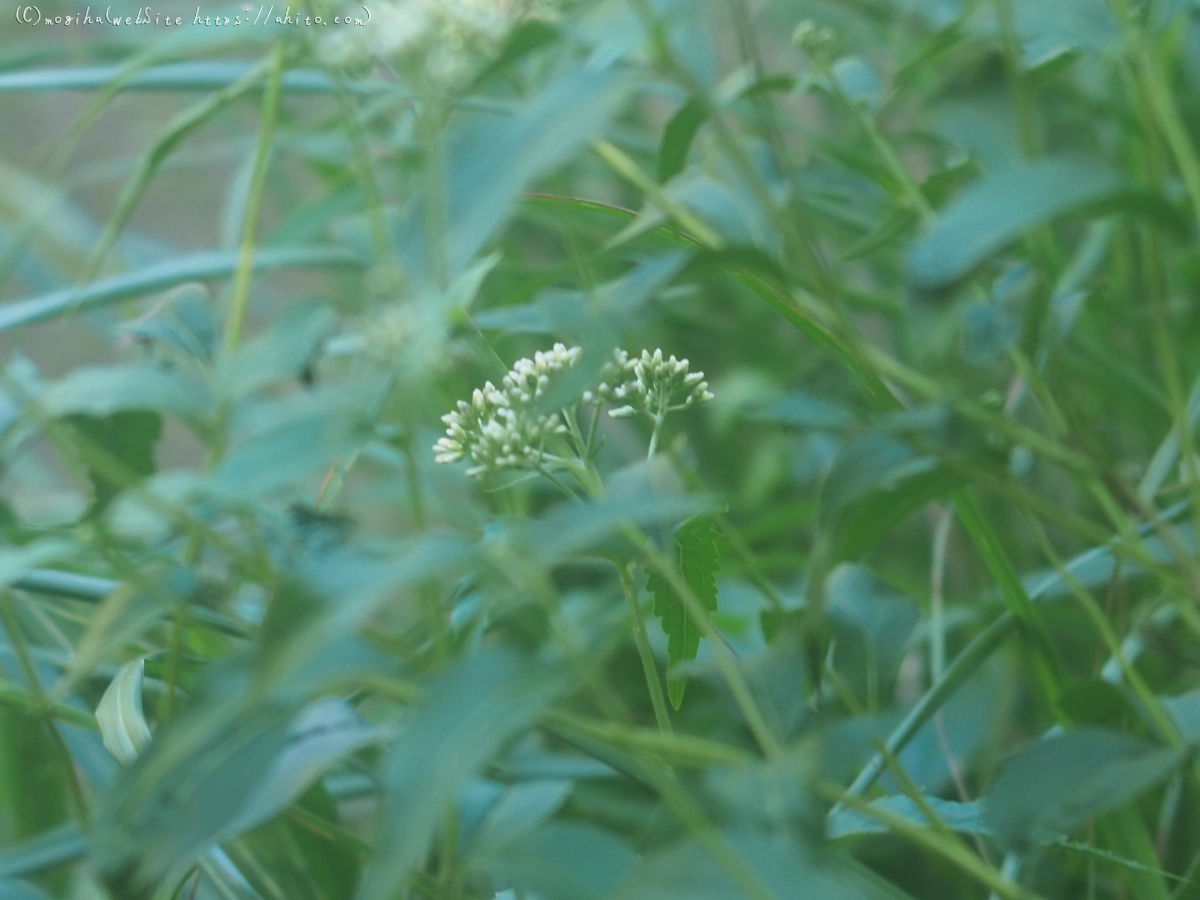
(653, 684)
(262, 154)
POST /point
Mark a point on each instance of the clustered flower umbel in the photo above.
(502, 427)
(650, 384)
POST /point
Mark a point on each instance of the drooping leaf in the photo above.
(183, 320)
(472, 711)
(175, 271)
(697, 559)
(873, 622)
(1055, 784)
(490, 160)
(282, 352)
(965, 818)
(992, 213)
(521, 809)
(321, 734)
(764, 868)
(560, 861)
(103, 390)
(45, 851)
(1051, 29)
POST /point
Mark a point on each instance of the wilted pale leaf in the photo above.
(122, 723)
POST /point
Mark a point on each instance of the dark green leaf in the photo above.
(698, 560)
(128, 437)
(677, 138)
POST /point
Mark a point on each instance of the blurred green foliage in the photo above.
(918, 533)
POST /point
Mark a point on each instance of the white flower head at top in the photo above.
(445, 39)
(650, 384)
(502, 427)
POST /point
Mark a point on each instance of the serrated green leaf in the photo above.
(698, 561)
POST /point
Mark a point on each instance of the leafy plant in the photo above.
(920, 545)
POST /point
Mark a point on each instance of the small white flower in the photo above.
(651, 384)
(501, 428)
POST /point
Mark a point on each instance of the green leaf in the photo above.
(490, 160)
(15, 562)
(129, 437)
(521, 809)
(1052, 29)
(198, 75)
(561, 861)
(19, 890)
(322, 734)
(965, 818)
(1089, 852)
(1056, 784)
(858, 81)
(159, 276)
(182, 320)
(101, 392)
(677, 138)
(277, 442)
(996, 211)
(765, 868)
(45, 851)
(467, 716)
(876, 481)
(183, 792)
(873, 623)
(282, 352)
(698, 560)
(803, 411)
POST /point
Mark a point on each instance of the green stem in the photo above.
(724, 657)
(643, 644)
(44, 708)
(262, 154)
(658, 420)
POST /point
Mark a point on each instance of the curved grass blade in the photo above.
(195, 267)
(181, 76)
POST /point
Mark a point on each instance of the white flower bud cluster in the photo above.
(812, 38)
(447, 38)
(501, 428)
(649, 384)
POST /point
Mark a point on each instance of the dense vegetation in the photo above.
(601, 449)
